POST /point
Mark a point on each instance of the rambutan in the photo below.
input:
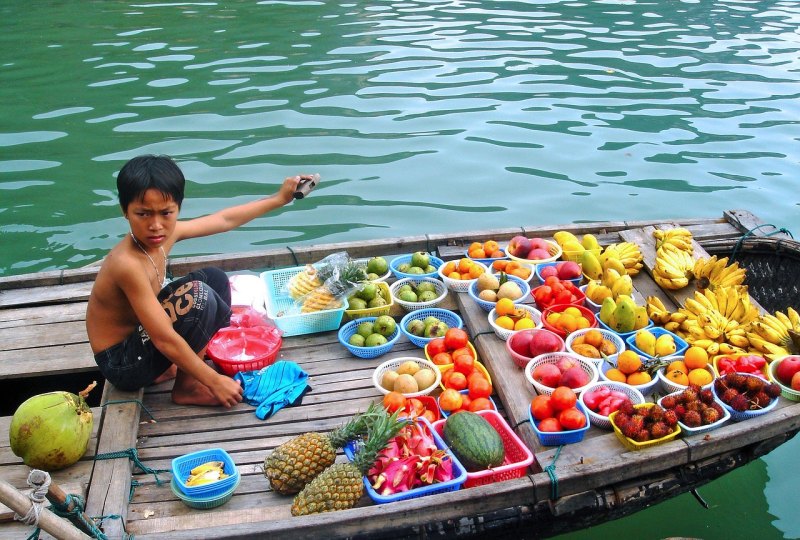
(754, 384)
(735, 380)
(642, 436)
(669, 401)
(692, 419)
(689, 395)
(659, 429)
(707, 396)
(740, 403)
(729, 395)
(760, 400)
(772, 390)
(694, 406)
(709, 415)
(656, 413)
(680, 410)
(670, 417)
(717, 407)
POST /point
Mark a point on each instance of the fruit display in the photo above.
(645, 423)
(693, 408)
(340, 485)
(373, 333)
(294, 463)
(552, 370)
(712, 272)
(674, 258)
(787, 372)
(416, 291)
(513, 317)
(534, 249)
(776, 334)
(488, 249)
(524, 271)
(753, 364)
(473, 400)
(429, 327)
(623, 315)
(593, 344)
(464, 269)
(418, 263)
(409, 377)
(557, 291)
(369, 295)
(473, 440)
(325, 284)
(564, 319)
(745, 393)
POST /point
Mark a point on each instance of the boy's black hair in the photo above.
(149, 172)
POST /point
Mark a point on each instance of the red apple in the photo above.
(519, 246)
(569, 270)
(574, 377)
(548, 271)
(787, 368)
(538, 254)
(521, 343)
(547, 374)
(545, 341)
(566, 362)
(539, 243)
(796, 381)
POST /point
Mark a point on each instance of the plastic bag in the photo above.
(325, 284)
(248, 290)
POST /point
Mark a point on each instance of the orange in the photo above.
(464, 264)
(504, 321)
(695, 357)
(614, 374)
(449, 267)
(477, 253)
(678, 377)
(524, 323)
(475, 271)
(505, 306)
(677, 364)
(628, 362)
(500, 265)
(700, 377)
(583, 322)
(491, 246)
(640, 377)
(593, 338)
(454, 275)
(475, 245)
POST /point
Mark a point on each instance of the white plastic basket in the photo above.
(441, 289)
(504, 333)
(553, 358)
(598, 419)
(395, 363)
(607, 334)
(459, 285)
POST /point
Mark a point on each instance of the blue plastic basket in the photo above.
(623, 335)
(489, 306)
(436, 262)
(459, 473)
(575, 281)
(680, 344)
(738, 416)
(204, 502)
(347, 331)
(446, 316)
(283, 309)
(555, 438)
(182, 465)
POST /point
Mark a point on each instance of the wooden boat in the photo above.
(42, 334)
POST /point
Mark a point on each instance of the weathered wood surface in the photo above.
(596, 477)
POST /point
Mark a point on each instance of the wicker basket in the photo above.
(182, 465)
(487, 306)
(436, 262)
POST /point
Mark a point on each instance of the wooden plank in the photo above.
(27, 316)
(748, 223)
(39, 362)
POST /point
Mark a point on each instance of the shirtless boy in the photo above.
(144, 329)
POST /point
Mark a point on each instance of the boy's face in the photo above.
(152, 218)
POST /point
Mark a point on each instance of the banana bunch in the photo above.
(712, 272)
(679, 237)
(627, 254)
(304, 282)
(661, 316)
(718, 320)
(206, 473)
(673, 267)
(777, 334)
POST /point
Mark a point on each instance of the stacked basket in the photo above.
(208, 495)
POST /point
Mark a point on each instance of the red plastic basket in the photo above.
(518, 456)
(561, 307)
(243, 349)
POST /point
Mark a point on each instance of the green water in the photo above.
(422, 117)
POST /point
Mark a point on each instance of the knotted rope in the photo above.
(738, 244)
(38, 497)
(133, 455)
(551, 472)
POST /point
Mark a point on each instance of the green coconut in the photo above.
(51, 431)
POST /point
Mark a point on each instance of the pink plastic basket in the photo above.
(518, 456)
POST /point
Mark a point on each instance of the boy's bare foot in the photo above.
(167, 375)
(193, 394)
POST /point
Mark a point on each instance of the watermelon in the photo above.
(474, 441)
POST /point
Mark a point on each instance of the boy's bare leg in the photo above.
(189, 391)
(170, 373)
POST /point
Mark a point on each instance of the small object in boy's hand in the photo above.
(306, 185)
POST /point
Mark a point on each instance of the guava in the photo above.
(427, 296)
(357, 340)
(374, 340)
(356, 303)
(365, 329)
(377, 265)
(420, 259)
(426, 286)
(368, 291)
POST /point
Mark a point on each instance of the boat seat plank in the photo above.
(42, 361)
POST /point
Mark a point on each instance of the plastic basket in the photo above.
(242, 349)
(600, 421)
(787, 392)
(556, 438)
(374, 311)
(459, 285)
(580, 298)
(480, 367)
(738, 416)
(465, 392)
(347, 331)
(469, 345)
(182, 465)
(431, 404)
(670, 386)
(575, 255)
(395, 363)
(441, 290)
(680, 344)
(623, 335)
(204, 503)
(553, 358)
(459, 473)
(716, 359)
(588, 302)
(618, 342)
(520, 359)
(283, 309)
(451, 319)
(488, 306)
(362, 262)
(646, 389)
(503, 333)
(436, 262)
(539, 267)
(630, 444)
(518, 456)
(552, 247)
(586, 312)
(726, 415)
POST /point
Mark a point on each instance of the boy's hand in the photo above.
(290, 185)
(228, 391)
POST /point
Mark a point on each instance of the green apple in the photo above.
(357, 339)
(385, 325)
(375, 340)
(416, 270)
(368, 291)
(420, 259)
(377, 265)
(365, 329)
(436, 329)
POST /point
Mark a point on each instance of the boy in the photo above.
(143, 329)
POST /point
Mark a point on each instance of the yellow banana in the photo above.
(672, 326)
(677, 316)
(694, 307)
(735, 277)
(739, 341)
(210, 465)
(672, 284)
(656, 302)
(702, 343)
(794, 317)
(713, 349)
(784, 320)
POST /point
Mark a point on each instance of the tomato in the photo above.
(466, 402)
(476, 374)
(563, 398)
(450, 400)
(564, 297)
(394, 401)
(571, 418)
(442, 359)
(435, 346)
(551, 280)
(550, 424)
(456, 380)
(480, 404)
(455, 338)
(464, 363)
(461, 350)
(542, 295)
(541, 407)
(479, 387)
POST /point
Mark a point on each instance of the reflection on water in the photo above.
(421, 116)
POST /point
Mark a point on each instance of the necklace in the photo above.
(158, 274)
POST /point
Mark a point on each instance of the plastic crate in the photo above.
(436, 262)
(503, 333)
(600, 421)
(182, 465)
(518, 456)
(283, 309)
(556, 438)
(459, 473)
(374, 311)
(204, 502)
(680, 344)
(451, 319)
(459, 285)
(630, 444)
(726, 415)
(488, 306)
(441, 290)
(347, 331)
(618, 342)
(553, 358)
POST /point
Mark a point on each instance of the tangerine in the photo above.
(477, 253)
(700, 377)
(524, 323)
(500, 265)
(639, 377)
(491, 246)
(475, 271)
(678, 377)
(695, 357)
(464, 264)
(628, 362)
(614, 374)
(505, 322)
(449, 267)
(677, 364)
(505, 306)
(475, 245)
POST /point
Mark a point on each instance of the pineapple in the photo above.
(321, 286)
(341, 485)
(296, 462)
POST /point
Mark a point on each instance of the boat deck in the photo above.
(42, 333)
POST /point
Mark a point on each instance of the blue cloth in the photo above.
(271, 388)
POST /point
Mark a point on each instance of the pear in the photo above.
(509, 290)
(488, 281)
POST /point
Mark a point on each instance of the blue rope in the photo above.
(138, 402)
(76, 514)
(551, 472)
(738, 244)
(133, 455)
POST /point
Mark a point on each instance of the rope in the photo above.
(133, 455)
(294, 255)
(551, 472)
(138, 402)
(77, 515)
(482, 333)
(38, 497)
(738, 244)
